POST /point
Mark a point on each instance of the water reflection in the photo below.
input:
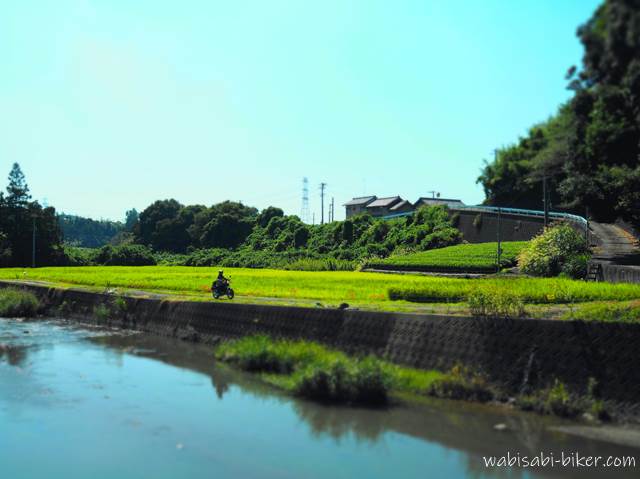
(223, 408)
(458, 425)
(14, 355)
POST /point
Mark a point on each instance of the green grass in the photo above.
(314, 371)
(377, 291)
(624, 312)
(16, 303)
(460, 258)
(527, 290)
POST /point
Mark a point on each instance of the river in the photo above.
(88, 403)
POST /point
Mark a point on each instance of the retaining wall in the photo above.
(481, 227)
(615, 273)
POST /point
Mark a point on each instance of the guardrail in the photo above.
(517, 211)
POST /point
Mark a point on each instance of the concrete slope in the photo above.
(614, 245)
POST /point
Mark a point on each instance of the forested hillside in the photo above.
(589, 151)
(79, 231)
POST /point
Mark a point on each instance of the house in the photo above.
(404, 206)
(394, 205)
(358, 205)
(382, 206)
(449, 203)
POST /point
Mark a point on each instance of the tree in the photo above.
(18, 191)
(265, 215)
(590, 150)
(130, 219)
(145, 230)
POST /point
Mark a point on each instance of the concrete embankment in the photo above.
(519, 355)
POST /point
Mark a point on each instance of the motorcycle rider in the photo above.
(221, 281)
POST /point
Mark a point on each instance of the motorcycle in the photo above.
(222, 288)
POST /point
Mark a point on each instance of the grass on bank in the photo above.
(458, 258)
(621, 312)
(314, 371)
(16, 303)
(331, 287)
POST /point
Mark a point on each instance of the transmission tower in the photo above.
(304, 212)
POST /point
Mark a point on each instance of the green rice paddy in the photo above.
(327, 287)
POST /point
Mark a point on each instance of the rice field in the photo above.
(327, 287)
(480, 257)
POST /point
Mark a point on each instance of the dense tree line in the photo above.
(227, 233)
(18, 218)
(233, 234)
(589, 151)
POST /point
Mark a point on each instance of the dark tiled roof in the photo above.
(361, 200)
(381, 202)
(438, 201)
(402, 204)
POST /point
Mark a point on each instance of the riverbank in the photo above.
(520, 356)
(186, 415)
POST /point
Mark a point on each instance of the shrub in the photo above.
(125, 255)
(558, 401)
(77, 256)
(327, 264)
(101, 312)
(461, 383)
(17, 303)
(317, 372)
(557, 249)
(360, 381)
(331, 381)
(576, 266)
(496, 303)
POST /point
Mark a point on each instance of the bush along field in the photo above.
(463, 258)
(557, 251)
(319, 373)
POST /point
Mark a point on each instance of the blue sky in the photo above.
(112, 104)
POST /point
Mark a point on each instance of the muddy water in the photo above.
(78, 403)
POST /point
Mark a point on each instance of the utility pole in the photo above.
(332, 210)
(545, 200)
(322, 187)
(499, 251)
(33, 244)
(586, 227)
